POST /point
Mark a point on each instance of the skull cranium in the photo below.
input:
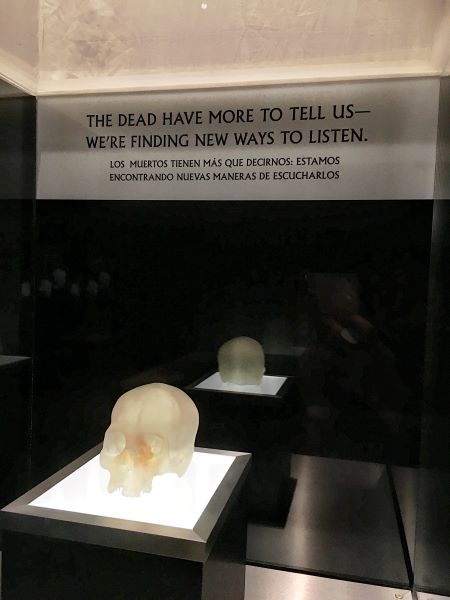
(241, 361)
(152, 431)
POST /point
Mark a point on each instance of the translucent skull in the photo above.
(241, 361)
(152, 431)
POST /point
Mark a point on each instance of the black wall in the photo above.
(185, 277)
(17, 192)
(17, 143)
(432, 568)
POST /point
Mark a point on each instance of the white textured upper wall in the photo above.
(140, 43)
(19, 45)
(101, 45)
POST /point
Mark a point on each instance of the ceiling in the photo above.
(76, 46)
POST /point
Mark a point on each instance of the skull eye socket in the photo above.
(154, 442)
(114, 442)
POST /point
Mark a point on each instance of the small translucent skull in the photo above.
(45, 288)
(241, 361)
(152, 431)
(59, 278)
(104, 280)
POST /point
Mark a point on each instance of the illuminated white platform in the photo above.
(178, 515)
(174, 501)
(269, 386)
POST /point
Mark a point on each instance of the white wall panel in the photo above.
(19, 42)
(101, 45)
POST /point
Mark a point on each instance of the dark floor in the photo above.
(342, 523)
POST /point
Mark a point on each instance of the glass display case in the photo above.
(336, 292)
(347, 429)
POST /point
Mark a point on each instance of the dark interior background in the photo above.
(182, 278)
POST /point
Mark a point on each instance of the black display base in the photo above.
(49, 569)
(270, 488)
(263, 425)
(36, 567)
(57, 555)
(273, 513)
(15, 403)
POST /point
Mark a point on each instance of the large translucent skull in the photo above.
(241, 361)
(152, 431)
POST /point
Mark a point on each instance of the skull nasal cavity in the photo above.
(145, 453)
